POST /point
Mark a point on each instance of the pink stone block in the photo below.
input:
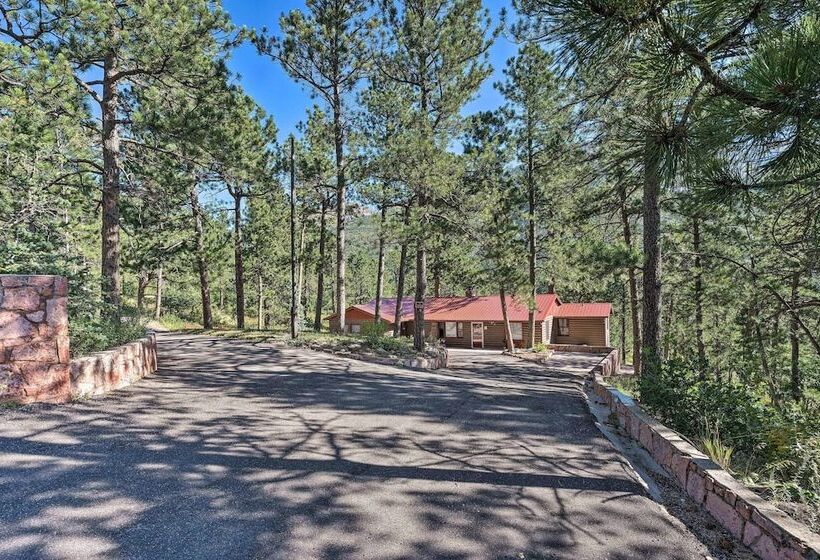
(63, 353)
(743, 508)
(646, 437)
(36, 317)
(14, 325)
(680, 467)
(725, 514)
(12, 281)
(760, 542)
(696, 485)
(45, 351)
(22, 299)
(39, 281)
(57, 315)
(60, 286)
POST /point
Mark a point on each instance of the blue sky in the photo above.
(288, 101)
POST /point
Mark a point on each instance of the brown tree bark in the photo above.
(259, 306)
(320, 268)
(531, 229)
(421, 293)
(110, 232)
(338, 141)
(794, 342)
(201, 261)
(651, 340)
(158, 300)
(508, 339)
(401, 279)
(300, 272)
(623, 326)
(239, 263)
(380, 267)
(294, 312)
(142, 284)
(699, 299)
(634, 303)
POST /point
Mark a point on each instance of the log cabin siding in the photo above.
(354, 316)
(592, 331)
(494, 336)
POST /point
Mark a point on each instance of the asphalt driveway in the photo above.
(242, 450)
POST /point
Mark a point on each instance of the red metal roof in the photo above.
(476, 308)
(583, 310)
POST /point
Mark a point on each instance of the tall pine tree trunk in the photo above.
(158, 300)
(380, 267)
(300, 273)
(338, 140)
(623, 325)
(401, 278)
(320, 269)
(531, 230)
(110, 232)
(239, 264)
(142, 283)
(421, 293)
(421, 253)
(201, 261)
(259, 306)
(634, 304)
(699, 299)
(507, 329)
(650, 361)
(794, 341)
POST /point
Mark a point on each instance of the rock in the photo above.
(36, 317)
(14, 325)
(23, 299)
(57, 315)
(35, 352)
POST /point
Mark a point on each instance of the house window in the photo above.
(517, 331)
(451, 329)
(355, 329)
(563, 327)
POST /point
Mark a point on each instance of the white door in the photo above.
(477, 330)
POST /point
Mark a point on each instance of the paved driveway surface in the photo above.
(237, 450)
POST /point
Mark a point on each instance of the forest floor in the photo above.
(245, 449)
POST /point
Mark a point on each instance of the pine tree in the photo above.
(437, 51)
(328, 48)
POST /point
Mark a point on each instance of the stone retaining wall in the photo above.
(610, 365)
(33, 339)
(770, 533)
(113, 369)
(580, 348)
(427, 363)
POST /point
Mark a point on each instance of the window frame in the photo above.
(355, 328)
(454, 333)
(563, 326)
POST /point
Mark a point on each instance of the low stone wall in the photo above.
(610, 365)
(33, 339)
(770, 533)
(580, 348)
(113, 369)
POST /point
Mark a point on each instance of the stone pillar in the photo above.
(34, 356)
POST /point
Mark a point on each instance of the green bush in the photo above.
(95, 334)
(539, 347)
(775, 447)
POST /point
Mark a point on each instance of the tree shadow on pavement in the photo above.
(243, 450)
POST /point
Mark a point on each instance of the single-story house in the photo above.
(477, 321)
